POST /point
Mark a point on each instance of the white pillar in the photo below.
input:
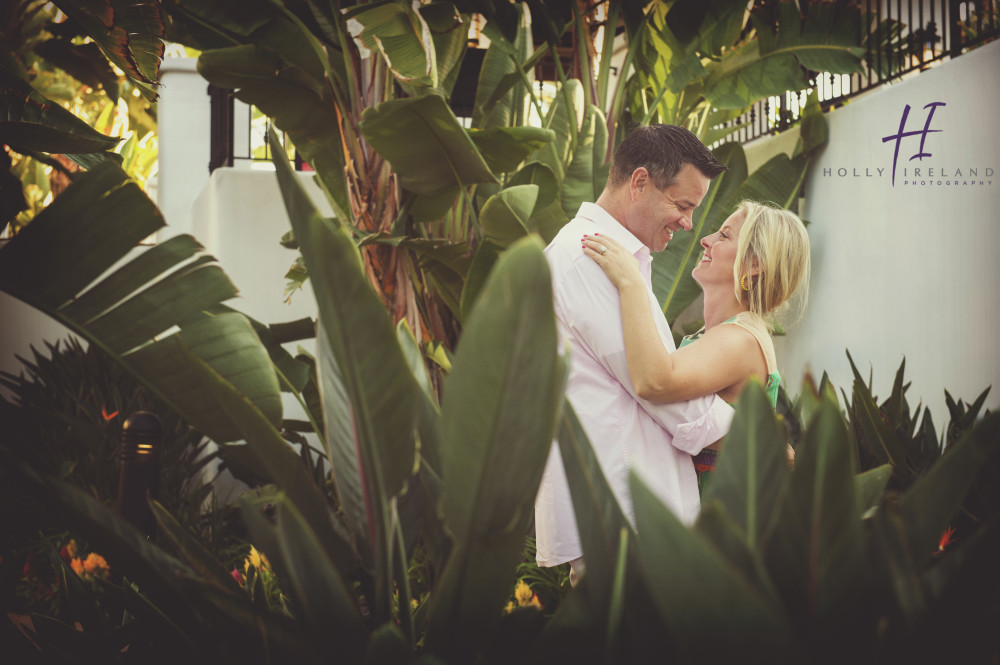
(184, 126)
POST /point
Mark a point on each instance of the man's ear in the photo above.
(639, 181)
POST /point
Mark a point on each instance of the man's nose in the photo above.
(685, 223)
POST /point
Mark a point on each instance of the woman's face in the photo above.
(716, 265)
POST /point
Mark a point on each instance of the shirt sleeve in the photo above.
(588, 303)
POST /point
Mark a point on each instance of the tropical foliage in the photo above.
(407, 548)
(51, 66)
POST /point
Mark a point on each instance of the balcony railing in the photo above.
(899, 38)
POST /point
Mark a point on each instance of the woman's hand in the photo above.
(620, 266)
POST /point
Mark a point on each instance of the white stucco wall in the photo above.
(909, 269)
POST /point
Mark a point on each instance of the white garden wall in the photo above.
(909, 268)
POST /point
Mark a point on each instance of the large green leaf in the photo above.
(360, 349)
(504, 148)
(824, 39)
(482, 263)
(817, 554)
(690, 580)
(752, 467)
(401, 36)
(450, 36)
(587, 172)
(565, 117)
(504, 217)
(130, 32)
(437, 152)
(293, 100)
(56, 265)
(871, 485)
(274, 458)
(498, 419)
(500, 65)
(30, 122)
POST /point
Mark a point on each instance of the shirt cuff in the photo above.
(714, 424)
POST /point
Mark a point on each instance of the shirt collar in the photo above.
(615, 229)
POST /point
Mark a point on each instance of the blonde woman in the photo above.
(749, 268)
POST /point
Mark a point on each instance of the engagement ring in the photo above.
(603, 249)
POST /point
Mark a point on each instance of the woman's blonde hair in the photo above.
(775, 243)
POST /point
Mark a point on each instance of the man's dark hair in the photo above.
(663, 150)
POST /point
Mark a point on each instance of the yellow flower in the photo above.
(522, 593)
(71, 549)
(535, 602)
(77, 565)
(413, 603)
(509, 608)
(254, 558)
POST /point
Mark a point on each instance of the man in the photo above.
(659, 175)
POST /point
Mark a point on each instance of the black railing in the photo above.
(899, 38)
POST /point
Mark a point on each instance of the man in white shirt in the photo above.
(659, 175)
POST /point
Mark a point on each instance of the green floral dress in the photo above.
(704, 462)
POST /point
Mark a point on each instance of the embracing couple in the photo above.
(645, 405)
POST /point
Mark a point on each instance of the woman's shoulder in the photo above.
(755, 325)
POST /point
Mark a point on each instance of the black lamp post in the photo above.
(138, 477)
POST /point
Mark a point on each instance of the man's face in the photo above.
(655, 215)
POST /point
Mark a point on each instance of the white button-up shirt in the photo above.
(657, 440)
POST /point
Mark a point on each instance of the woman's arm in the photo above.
(724, 356)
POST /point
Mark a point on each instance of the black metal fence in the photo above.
(899, 38)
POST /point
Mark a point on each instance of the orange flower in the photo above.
(946, 539)
(93, 566)
(96, 566)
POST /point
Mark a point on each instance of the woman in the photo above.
(750, 267)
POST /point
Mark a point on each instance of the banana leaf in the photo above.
(438, 152)
(503, 58)
(498, 419)
(689, 580)
(504, 218)
(30, 122)
(587, 170)
(58, 263)
(402, 37)
(130, 32)
(504, 148)
(364, 378)
(824, 39)
(817, 555)
(293, 100)
(752, 469)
